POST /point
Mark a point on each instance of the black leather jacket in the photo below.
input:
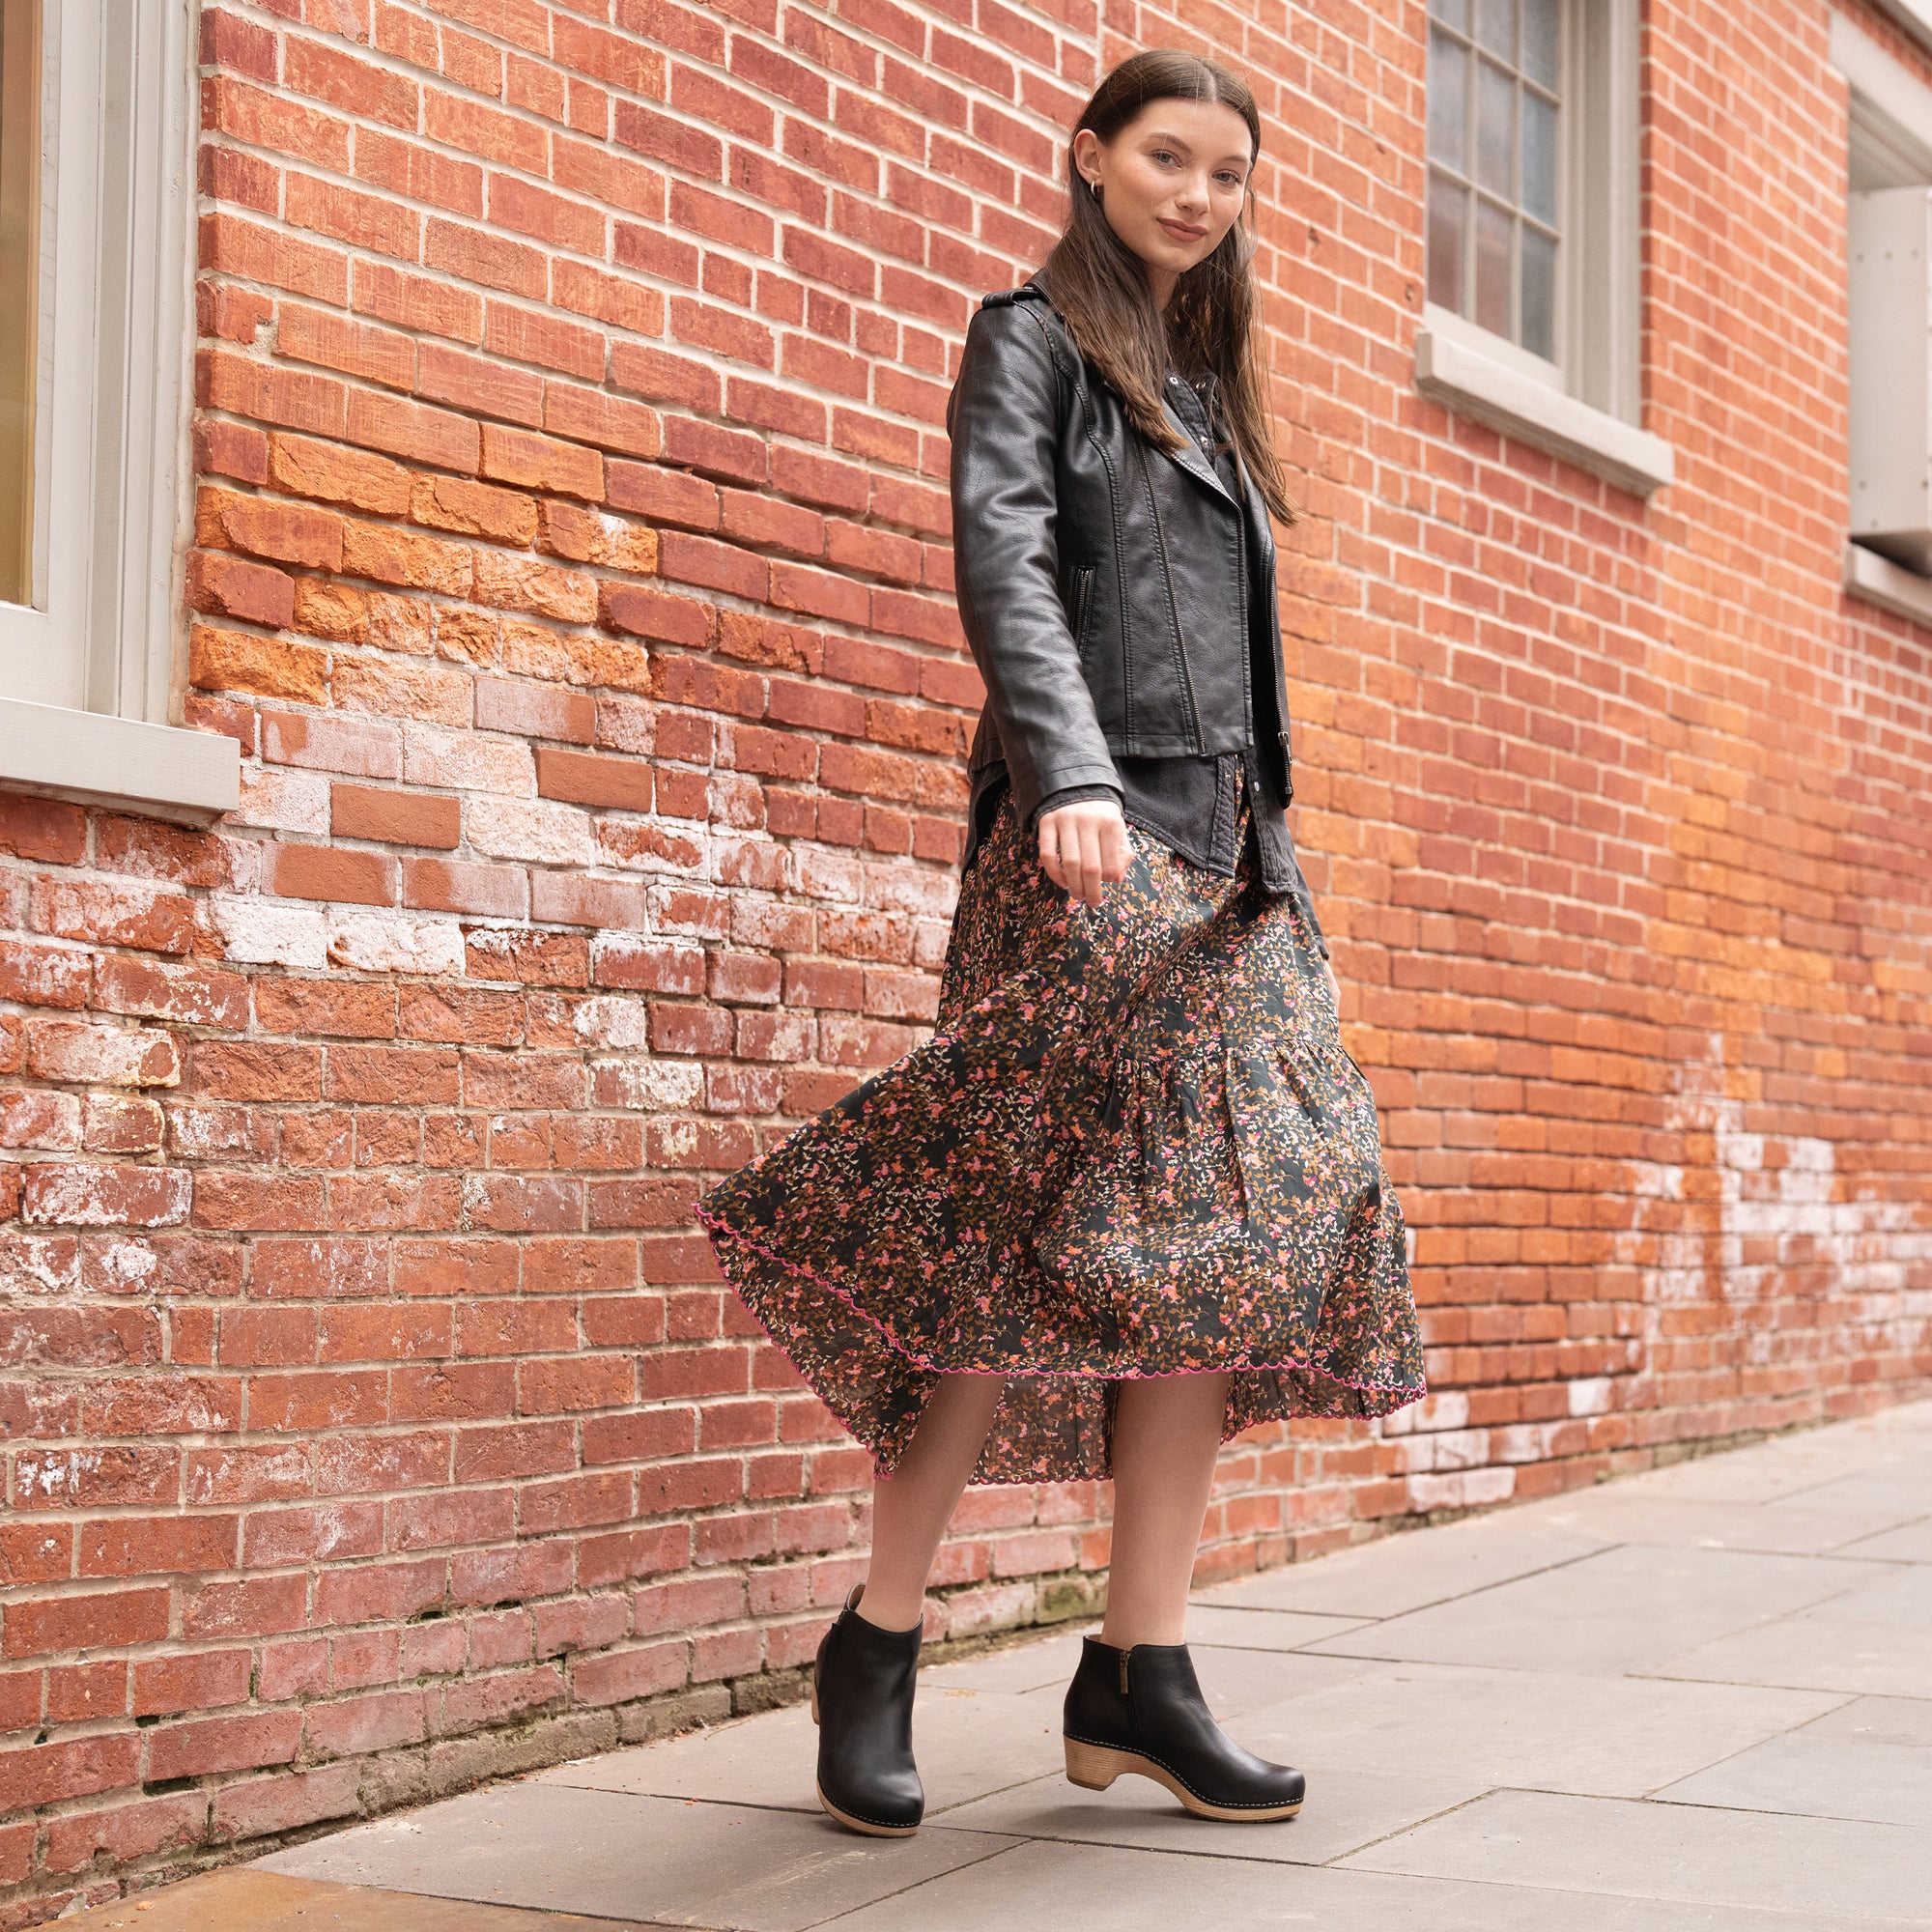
(1092, 569)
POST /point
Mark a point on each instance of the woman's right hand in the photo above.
(1084, 844)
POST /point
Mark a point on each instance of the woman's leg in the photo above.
(912, 1507)
(1167, 1437)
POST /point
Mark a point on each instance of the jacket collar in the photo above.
(1188, 456)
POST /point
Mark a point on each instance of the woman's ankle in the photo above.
(888, 1614)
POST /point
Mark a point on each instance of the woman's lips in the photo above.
(1180, 231)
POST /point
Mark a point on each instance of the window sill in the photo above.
(87, 751)
(1877, 579)
(1483, 386)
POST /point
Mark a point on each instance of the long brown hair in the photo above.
(1212, 319)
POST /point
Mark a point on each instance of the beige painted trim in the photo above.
(1877, 579)
(1456, 373)
(118, 757)
(1914, 16)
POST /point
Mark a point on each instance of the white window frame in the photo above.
(1891, 115)
(92, 674)
(1587, 406)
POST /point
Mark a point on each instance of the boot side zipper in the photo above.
(1124, 1673)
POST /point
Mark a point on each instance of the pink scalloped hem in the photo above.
(1405, 1391)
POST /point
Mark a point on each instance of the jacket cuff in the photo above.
(1070, 795)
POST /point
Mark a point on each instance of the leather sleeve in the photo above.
(1002, 417)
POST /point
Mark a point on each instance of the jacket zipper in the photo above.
(1173, 610)
(1083, 595)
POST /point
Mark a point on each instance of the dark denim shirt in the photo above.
(1187, 804)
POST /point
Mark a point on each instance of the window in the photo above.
(1888, 224)
(1496, 70)
(1531, 322)
(96, 100)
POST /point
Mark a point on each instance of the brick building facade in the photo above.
(567, 557)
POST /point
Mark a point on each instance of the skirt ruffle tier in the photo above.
(1134, 1145)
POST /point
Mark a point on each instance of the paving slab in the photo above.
(605, 1853)
(245, 1898)
(1019, 1669)
(1683, 1853)
(1814, 1652)
(968, 1743)
(1910, 1542)
(1105, 1889)
(1412, 1570)
(1236, 1627)
(1870, 1758)
(1230, 1679)
(1619, 1609)
(1350, 1805)
(1790, 1526)
(1606, 1735)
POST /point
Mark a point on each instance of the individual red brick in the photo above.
(97, 1195)
(450, 885)
(242, 47)
(265, 667)
(306, 466)
(265, 1807)
(34, 828)
(123, 1833)
(290, 532)
(85, 1621)
(47, 1774)
(193, 1750)
(201, 1680)
(329, 872)
(358, 748)
(585, 779)
(101, 1055)
(534, 462)
(394, 818)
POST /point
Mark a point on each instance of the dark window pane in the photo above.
(1448, 215)
(1448, 103)
(1495, 27)
(1538, 158)
(1492, 268)
(1541, 39)
(1496, 130)
(1453, 13)
(1538, 293)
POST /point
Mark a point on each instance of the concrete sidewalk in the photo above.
(1696, 1700)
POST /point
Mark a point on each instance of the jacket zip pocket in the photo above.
(1174, 609)
(1082, 596)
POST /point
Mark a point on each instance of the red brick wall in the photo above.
(572, 567)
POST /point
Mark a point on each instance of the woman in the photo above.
(1128, 1198)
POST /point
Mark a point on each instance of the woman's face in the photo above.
(1172, 182)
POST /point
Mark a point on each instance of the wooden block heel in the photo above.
(1095, 1767)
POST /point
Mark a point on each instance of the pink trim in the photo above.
(712, 1220)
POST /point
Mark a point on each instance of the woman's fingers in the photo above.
(1082, 846)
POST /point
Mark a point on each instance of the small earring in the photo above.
(1095, 187)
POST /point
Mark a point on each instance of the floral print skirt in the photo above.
(1134, 1145)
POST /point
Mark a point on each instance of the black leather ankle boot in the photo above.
(1141, 1710)
(862, 1685)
